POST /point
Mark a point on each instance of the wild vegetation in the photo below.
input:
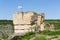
(46, 32)
(56, 23)
(4, 22)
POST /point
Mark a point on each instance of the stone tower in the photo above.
(23, 21)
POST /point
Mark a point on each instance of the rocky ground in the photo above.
(5, 31)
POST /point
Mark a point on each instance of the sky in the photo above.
(51, 8)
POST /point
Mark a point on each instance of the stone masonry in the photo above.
(24, 21)
(28, 22)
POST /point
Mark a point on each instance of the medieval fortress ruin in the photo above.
(25, 22)
(28, 21)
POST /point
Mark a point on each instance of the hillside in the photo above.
(50, 21)
(5, 24)
(55, 22)
(6, 28)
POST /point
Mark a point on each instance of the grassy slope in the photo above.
(55, 22)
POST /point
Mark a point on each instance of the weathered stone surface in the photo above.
(22, 18)
(42, 27)
(24, 21)
(52, 27)
(6, 30)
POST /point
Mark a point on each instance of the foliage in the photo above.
(47, 32)
(4, 22)
(40, 38)
(55, 22)
(27, 36)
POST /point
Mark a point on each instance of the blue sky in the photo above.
(51, 8)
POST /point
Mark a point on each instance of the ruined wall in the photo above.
(39, 19)
(6, 30)
(22, 17)
(23, 21)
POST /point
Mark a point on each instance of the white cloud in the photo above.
(20, 7)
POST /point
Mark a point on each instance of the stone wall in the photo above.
(22, 17)
(25, 20)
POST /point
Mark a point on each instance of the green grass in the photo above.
(46, 32)
(27, 36)
(55, 22)
(40, 38)
(4, 22)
